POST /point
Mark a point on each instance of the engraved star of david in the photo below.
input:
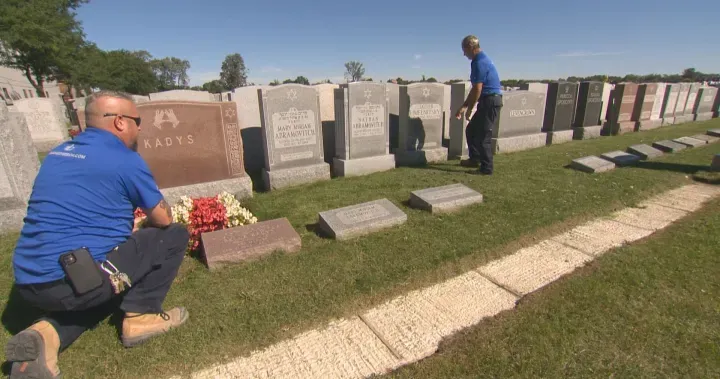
(523, 101)
(292, 95)
(567, 89)
(229, 112)
(426, 92)
(368, 94)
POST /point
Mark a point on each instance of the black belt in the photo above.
(46, 285)
(491, 94)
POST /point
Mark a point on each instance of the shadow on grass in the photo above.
(707, 177)
(675, 167)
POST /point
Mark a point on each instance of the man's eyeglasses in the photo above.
(136, 119)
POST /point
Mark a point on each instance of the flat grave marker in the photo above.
(592, 164)
(645, 152)
(445, 198)
(669, 146)
(621, 158)
(360, 219)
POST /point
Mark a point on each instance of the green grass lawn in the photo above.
(248, 306)
(648, 310)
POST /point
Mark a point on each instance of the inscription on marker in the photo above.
(361, 214)
(426, 111)
(368, 120)
(294, 128)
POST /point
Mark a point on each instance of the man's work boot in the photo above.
(139, 327)
(34, 352)
(469, 163)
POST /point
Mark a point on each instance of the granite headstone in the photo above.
(360, 219)
(519, 126)
(704, 103)
(592, 164)
(292, 136)
(620, 158)
(644, 151)
(621, 109)
(559, 112)
(589, 105)
(421, 123)
(193, 148)
(182, 94)
(692, 96)
(672, 91)
(655, 113)
(680, 115)
(669, 146)
(458, 148)
(642, 114)
(45, 120)
(445, 198)
(690, 142)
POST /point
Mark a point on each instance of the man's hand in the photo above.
(468, 113)
(459, 113)
(136, 225)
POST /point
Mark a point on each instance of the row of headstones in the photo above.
(636, 153)
(253, 241)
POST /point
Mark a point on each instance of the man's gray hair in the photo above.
(471, 41)
(104, 93)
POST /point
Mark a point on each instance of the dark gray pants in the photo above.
(479, 131)
(151, 258)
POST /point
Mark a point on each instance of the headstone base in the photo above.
(420, 157)
(610, 129)
(11, 220)
(592, 164)
(649, 124)
(587, 132)
(704, 116)
(46, 146)
(668, 121)
(554, 138)
(363, 166)
(519, 143)
(684, 118)
(240, 187)
(289, 177)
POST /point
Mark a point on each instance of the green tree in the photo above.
(354, 71)
(214, 86)
(127, 71)
(171, 72)
(302, 80)
(275, 83)
(233, 72)
(40, 38)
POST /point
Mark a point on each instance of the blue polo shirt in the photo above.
(482, 70)
(84, 196)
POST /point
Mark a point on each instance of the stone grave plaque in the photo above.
(182, 95)
(292, 136)
(458, 148)
(361, 129)
(560, 106)
(592, 164)
(360, 219)
(249, 242)
(689, 141)
(444, 199)
(620, 158)
(589, 104)
(692, 96)
(683, 92)
(521, 114)
(191, 143)
(669, 146)
(704, 103)
(706, 138)
(671, 98)
(655, 113)
(623, 105)
(421, 124)
(45, 121)
(644, 151)
(642, 114)
(713, 132)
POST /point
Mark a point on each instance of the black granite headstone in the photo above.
(560, 106)
(589, 104)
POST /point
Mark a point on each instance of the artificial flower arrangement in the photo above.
(206, 214)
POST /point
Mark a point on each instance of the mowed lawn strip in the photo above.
(249, 306)
(648, 310)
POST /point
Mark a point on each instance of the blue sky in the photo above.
(526, 39)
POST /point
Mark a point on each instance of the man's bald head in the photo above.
(470, 46)
(114, 112)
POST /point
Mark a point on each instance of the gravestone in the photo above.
(46, 122)
(394, 114)
(249, 242)
(421, 123)
(680, 115)
(706, 138)
(447, 112)
(361, 134)
(326, 93)
(621, 109)
(690, 142)
(642, 114)
(592, 164)
(519, 126)
(589, 105)
(559, 112)
(620, 158)
(607, 91)
(645, 152)
(703, 104)
(672, 91)
(248, 111)
(669, 146)
(360, 219)
(458, 148)
(656, 114)
(19, 165)
(182, 95)
(692, 96)
(292, 136)
(444, 199)
(713, 132)
(716, 104)
(139, 99)
(193, 148)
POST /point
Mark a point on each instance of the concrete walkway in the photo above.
(410, 327)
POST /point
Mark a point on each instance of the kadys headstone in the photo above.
(559, 112)
(589, 105)
(292, 136)
(421, 124)
(193, 148)
(520, 122)
(361, 130)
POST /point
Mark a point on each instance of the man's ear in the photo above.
(120, 123)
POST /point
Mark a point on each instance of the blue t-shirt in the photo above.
(482, 70)
(84, 196)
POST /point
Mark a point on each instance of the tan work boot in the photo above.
(34, 352)
(139, 327)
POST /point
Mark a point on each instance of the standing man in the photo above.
(80, 247)
(487, 93)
